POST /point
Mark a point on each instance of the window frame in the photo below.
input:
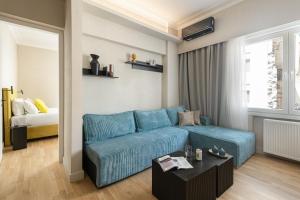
(256, 38)
(292, 65)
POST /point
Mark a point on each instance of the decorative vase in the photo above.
(95, 64)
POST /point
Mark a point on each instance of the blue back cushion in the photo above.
(173, 114)
(206, 121)
(149, 120)
(101, 127)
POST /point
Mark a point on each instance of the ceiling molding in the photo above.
(133, 11)
(148, 17)
(93, 8)
(212, 10)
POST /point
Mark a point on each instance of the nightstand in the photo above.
(19, 137)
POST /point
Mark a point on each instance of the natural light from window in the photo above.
(264, 64)
(297, 73)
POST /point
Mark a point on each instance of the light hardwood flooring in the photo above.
(34, 173)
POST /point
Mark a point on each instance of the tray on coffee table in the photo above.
(217, 154)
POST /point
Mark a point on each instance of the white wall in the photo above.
(8, 57)
(246, 17)
(72, 159)
(170, 91)
(67, 156)
(108, 30)
(38, 74)
(135, 89)
(8, 66)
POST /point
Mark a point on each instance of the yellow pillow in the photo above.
(41, 106)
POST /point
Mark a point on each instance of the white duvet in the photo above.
(40, 119)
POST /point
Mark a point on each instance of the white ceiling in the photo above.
(174, 11)
(28, 36)
(170, 13)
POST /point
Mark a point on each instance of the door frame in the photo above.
(60, 31)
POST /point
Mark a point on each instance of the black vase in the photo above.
(95, 64)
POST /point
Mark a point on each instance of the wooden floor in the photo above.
(34, 173)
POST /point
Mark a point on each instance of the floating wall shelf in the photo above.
(88, 72)
(145, 66)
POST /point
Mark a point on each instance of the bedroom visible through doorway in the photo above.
(29, 79)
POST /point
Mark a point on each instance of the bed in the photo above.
(38, 125)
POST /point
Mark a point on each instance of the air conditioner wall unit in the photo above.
(199, 29)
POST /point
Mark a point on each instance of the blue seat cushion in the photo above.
(240, 144)
(149, 120)
(101, 127)
(173, 114)
(120, 157)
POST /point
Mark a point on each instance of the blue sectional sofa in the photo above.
(119, 145)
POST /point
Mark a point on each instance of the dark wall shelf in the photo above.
(145, 66)
(88, 72)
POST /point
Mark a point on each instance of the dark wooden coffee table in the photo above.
(209, 179)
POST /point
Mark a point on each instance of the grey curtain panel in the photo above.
(200, 80)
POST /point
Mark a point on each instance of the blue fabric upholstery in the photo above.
(101, 127)
(121, 157)
(118, 151)
(240, 144)
(206, 121)
(149, 120)
(173, 114)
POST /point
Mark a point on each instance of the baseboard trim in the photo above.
(66, 165)
(76, 176)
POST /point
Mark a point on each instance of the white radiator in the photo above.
(282, 138)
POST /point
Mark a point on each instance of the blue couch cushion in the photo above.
(173, 114)
(120, 157)
(240, 144)
(206, 121)
(101, 127)
(149, 120)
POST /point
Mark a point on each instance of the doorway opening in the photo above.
(31, 80)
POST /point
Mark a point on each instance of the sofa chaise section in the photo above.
(240, 144)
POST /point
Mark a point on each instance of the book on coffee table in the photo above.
(174, 162)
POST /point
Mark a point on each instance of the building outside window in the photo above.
(272, 64)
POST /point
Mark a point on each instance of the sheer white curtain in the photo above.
(234, 111)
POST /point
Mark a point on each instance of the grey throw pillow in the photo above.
(186, 118)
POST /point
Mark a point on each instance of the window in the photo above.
(264, 63)
(272, 64)
(296, 78)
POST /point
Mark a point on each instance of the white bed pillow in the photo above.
(29, 107)
(18, 107)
